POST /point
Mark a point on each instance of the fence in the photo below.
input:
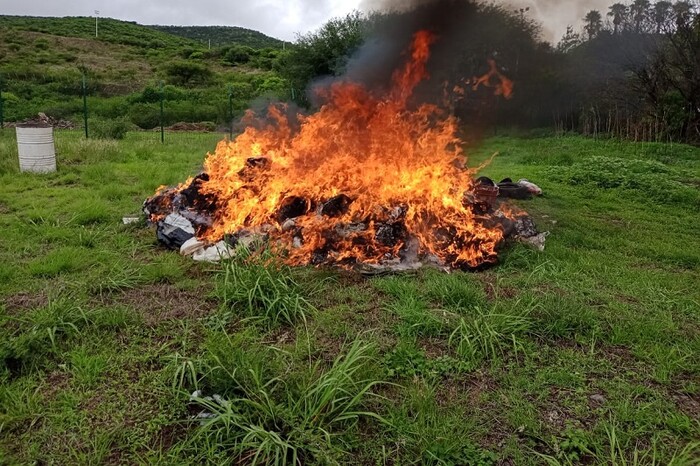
(89, 107)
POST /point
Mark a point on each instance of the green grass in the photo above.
(585, 353)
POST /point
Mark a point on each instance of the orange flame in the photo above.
(397, 166)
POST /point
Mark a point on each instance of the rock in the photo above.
(598, 398)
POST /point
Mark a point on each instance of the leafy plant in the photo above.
(109, 129)
(407, 361)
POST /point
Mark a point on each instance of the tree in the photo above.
(594, 23)
(671, 81)
(640, 13)
(682, 12)
(618, 13)
(325, 52)
(662, 15)
(569, 41)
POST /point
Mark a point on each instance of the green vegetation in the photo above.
(42, 61)
(222, 36)
(584, 353)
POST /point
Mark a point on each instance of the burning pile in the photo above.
(369, 179)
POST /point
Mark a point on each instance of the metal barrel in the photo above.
(35, 144)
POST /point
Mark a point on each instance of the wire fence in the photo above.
(152, 110)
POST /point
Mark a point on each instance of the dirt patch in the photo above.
(495, 291)
(435, 347)
(25, 301)
(162, 302)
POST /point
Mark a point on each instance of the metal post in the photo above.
(85, 108)
(97, 13)
(230, 111)
(162, 130)
(2, 107)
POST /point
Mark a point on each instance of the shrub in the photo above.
(188, 73)
(144, 116)
(239, 55)
(109, 129)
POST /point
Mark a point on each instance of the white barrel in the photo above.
(37, 153)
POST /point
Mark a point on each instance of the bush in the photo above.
(144, 116)
(188, 73)
(109, 129)
(239, 55)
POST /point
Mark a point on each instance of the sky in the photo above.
(283, 19)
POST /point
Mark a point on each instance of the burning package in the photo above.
(369, 180)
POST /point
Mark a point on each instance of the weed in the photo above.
(407, 361)
(277, 422)
(262, 290)
(87, 368)
(485, 335)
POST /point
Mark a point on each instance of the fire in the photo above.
(365, 179)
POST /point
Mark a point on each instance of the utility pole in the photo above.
(97, 13)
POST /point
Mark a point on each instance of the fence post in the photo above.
(2, 107)
(230, 112)
(162, 130)
(85, 108)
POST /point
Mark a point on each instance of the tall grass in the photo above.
(262, 289)
(282, 421)
(486, 335)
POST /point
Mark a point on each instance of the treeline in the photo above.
(632, 71)
(220, 36)
(655, 91)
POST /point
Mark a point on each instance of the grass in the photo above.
(582, 354)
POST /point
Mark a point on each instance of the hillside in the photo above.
(42, 61)
(222, 35)
(110, 30)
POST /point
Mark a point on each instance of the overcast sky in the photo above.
(277, 18)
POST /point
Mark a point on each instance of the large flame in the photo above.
(398, 165)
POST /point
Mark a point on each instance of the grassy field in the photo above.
(585, 353)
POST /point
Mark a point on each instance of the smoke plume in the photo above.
(553, 15)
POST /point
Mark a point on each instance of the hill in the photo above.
(222, 35)
(109, 30)
(42, 61)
